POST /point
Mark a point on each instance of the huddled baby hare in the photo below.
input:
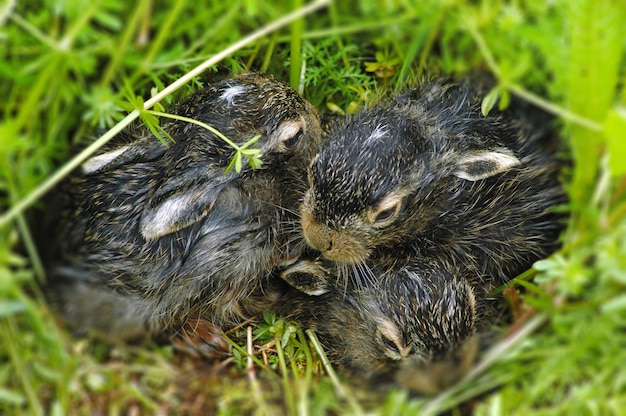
(420, 206)
(414, 314)
(427, 175)
(159, 238)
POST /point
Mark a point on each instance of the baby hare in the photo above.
(426, 175)
(158, 238)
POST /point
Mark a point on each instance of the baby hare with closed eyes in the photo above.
(414, 315)
(156, 238)
(427, 175)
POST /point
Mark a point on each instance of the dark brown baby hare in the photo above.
(154, 238)
(426, 175)
(413, 314)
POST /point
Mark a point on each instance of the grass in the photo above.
(70, 69)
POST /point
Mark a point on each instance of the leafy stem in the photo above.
(196, 122)
(508, 85)
(253, 154)
(53, 180)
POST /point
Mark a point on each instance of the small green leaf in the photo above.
(353, 107)
(108, 20)
(251, 152)
(129, 92)
(505, 99)
(489, 101)
(231, 164)
(334, 108)
(45, 372)
(287, 335)
(255, 163)
(149, 119)
(158, 132)
(127, 106)
(238, 162)
(157, 106)
(251, 141)
(269, 317)
(371, 66)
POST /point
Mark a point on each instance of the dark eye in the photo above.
(386, 209)
(389, 344)
(385, 214)
(293, 140)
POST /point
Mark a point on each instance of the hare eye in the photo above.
(289, 134)
(392, 349)
(293, 140)
(389, 336)
(385, 215)
(386, 210)
(390, 345)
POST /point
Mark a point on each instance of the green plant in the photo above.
(69, 70)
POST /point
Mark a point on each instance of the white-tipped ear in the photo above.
(98, 162)
(181, 201)
(145, 149)
(172, 215)
(308, 277)
(474, 166)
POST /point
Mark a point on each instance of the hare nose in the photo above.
(329, 245)
(317, 235)
(319, 238)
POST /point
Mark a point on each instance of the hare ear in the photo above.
(308, 277)
(99, 162)
(477, 165)
(142, 150)
(181, 201)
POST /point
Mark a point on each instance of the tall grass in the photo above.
(71, 71)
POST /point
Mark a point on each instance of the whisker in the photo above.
(293, 211)
(370, 279)
(343, 275)
(358, 280)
